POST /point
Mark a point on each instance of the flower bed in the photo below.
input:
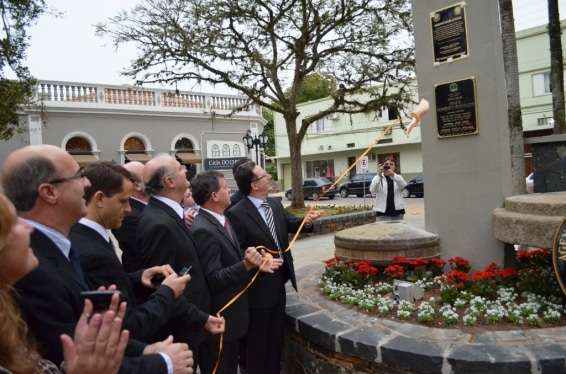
(527, 296)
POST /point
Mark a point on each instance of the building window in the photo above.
(134, 144)
(78, 144)
(215, 150)
(319, 126)
(350, 145)
(236, 152)
(541, 84)
(184, 144)
(225, 150)
(392, 112)
(544, 121)
(320, 168)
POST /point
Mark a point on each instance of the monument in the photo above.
(465, 137)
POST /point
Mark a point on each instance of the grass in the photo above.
(331, 210)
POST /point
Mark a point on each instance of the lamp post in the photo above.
(256, 142)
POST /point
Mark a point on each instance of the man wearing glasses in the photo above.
(261, 221)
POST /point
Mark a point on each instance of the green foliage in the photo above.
(17, 17)
(316, 86)
(272, 169)
(346, 274)
(269, 130)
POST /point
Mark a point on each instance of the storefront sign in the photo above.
(220, 163)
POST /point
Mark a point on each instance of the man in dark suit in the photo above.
(107, 203)
(259, 220)
(47, 188)
(227, 271)
(164, 238)
(126, 233)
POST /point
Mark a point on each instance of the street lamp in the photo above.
(256, 142)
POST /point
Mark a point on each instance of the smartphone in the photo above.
(100, 299)
(186, 270)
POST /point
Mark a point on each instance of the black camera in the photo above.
(386, 167)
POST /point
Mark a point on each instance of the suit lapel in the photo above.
(251, 210)
(44, 247)
(214, 222)
(170, 212)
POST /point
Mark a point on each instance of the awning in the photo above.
(141, 157)
(189, 157)
(84, 159)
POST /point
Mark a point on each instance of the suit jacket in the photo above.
(126, 236)
(164, 239)
(49, 298)
(102, 268)
(252, 231)
(224, 270)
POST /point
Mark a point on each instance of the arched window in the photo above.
(215, 150)
(184, 144)
(78, 144)
(134, 144)
(236, 151)
(226, 150)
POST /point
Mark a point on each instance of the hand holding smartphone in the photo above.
(100, 300)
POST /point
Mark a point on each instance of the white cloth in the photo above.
(379, 187)
(257, 203)
(219, 217)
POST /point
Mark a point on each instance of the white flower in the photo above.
(425, 312)
(470, 319)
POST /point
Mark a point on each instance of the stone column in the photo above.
(468, 176)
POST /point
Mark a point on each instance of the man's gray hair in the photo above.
(21, 183)
(155, 183)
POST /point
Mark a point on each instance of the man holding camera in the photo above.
(387, 187)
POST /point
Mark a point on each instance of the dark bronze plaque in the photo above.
(456, 108)
(559, 256)
(449, 33)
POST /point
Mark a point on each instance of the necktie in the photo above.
(229, 230)
(271, 224)
(76, 264)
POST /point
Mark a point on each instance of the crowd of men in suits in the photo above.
(172, 316)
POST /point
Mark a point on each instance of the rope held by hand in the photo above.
(291, 244)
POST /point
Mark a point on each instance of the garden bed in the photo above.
(527, 296)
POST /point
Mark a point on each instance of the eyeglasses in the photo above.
(79, 175)
(259, 178)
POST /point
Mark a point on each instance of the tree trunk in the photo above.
(556, 67)
(295, 144)
(514, 118)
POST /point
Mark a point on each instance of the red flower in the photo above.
(438, 262)
(507, 273)
(418, 262)
(366, 268)
(527, 255)
(491, 268)
(332, 262)
(400, 260)
(459, 263)
(456, 276)
(395, 271)
(479, 276)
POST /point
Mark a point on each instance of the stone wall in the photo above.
(342, 221)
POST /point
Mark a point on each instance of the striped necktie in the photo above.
(271, 224)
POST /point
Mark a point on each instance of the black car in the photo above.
(313, 189)
(357, 185)
(415, 187)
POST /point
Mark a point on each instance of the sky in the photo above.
(66, 48)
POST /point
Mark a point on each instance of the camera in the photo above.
(386, 167)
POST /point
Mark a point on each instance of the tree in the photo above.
(269, 130)
(316, 86)
(514, 118)
(17, 16)
(556, 67)
(266, 48)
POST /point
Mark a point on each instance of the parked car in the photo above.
(313, 189)
(356, 185)
(415, 187)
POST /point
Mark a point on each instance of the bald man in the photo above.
(164, 239)
(126, 234)
(47, 188)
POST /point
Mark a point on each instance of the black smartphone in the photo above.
(100, 299)
(157, 280)
(186, 270)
